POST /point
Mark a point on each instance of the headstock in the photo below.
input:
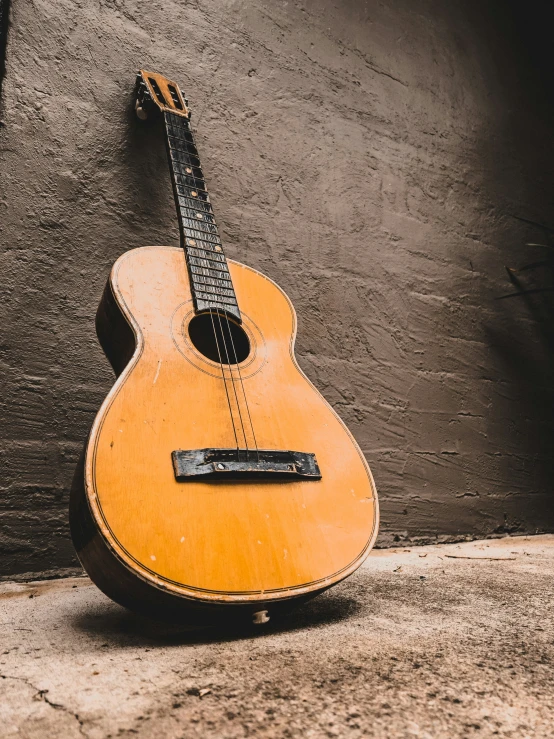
(155, 94)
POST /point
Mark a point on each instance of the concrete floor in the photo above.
(440, 641)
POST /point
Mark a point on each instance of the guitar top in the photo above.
(216, 481)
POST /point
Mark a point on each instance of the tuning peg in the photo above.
(140, 111)
(143, 102)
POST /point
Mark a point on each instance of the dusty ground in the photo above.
(442, 641)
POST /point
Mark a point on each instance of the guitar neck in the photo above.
(211, 284)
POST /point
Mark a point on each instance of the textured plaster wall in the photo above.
(378, 160)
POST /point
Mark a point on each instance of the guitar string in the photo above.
(243, 389)
(188, 127)
(173, 122)
(238, 365)
(238, 369)
(168, 118)
(232, 381)
(225, 385)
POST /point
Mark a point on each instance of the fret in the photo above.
(209, 297)
(179, 131)
(202, 219)
(193, 223)
(184, 183)
(188, 180)
(180, 163)
(176, 140)
(215, 296)
(215, 291)
(201, 262)
(183, 157)
(206, 254)
(210, 280)
(187, 168)
(202, 280)
(192, 233)
(180, 152)
(184, 169)
(217, 251)
(180, 140)
(192, 193)
(179, 148)
(190, 149)
(186, 148)
(199, 241)
(209, 272)
(201, 206)
(212, 306)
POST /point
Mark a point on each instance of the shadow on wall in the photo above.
(4, 18)
(145, 173)
(520, 333)
(523, 346)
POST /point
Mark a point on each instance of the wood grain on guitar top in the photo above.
(220, 541)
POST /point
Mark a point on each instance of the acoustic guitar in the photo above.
(216, 480)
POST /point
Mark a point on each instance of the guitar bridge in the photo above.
(244, 464)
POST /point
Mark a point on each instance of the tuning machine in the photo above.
(144, 105)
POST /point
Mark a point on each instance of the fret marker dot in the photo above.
(199, 215)
(192, 242)
(188, 170)
(194, 193)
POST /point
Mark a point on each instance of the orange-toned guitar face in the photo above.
(222, 541)
(213, 373)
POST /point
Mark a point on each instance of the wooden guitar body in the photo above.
(189, 548)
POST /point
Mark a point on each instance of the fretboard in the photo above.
(210, 280)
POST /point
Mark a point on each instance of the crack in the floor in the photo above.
(43, 697)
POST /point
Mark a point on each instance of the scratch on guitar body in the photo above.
(157, 371)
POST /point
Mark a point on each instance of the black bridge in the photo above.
(243, 464)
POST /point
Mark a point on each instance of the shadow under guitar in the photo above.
(126, 628)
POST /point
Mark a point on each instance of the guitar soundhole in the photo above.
(229, 343)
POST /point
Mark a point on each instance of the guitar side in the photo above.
(156, 544)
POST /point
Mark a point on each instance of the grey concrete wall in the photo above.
(378, 160)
